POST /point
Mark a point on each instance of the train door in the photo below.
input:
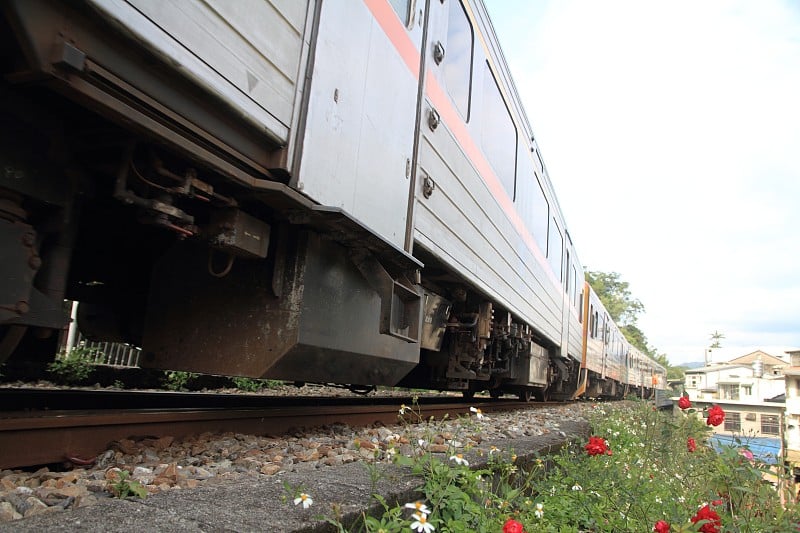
(566, 307)
(606, 347)
(357, 150)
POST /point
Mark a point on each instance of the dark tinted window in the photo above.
(498, 134)
(457, 64)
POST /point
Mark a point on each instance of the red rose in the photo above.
(512, 526)
(714, 522)
(597, 446)
(684, 402)
(715, 416)
(691, 445)
(661, 527)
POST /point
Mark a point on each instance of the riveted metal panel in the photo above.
(462, 224)
(248, 52)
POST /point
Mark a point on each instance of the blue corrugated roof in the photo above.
(764, 449)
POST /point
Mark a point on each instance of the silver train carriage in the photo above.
(343, 191)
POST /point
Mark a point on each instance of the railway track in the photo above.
(43, 427)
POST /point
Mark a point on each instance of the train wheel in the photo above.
(495, 393)
(9, 340)
(541, 395)
(524, 395)
(468, 394)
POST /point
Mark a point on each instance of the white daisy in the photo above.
(419, 507)
(477, 412)
(421, 524)
(305, 499)
(459, 459)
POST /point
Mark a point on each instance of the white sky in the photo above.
(671, 132)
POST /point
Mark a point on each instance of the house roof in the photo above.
(766, 358)
(732, 353)
(715, 368)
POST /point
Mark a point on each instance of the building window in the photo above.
(770, 425)
(733, 422)
(693, 379)
(747, 390)
(729, 392)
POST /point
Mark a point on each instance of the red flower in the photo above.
(597, 446)
(512, 526)
(684, 402)
(661, 527)
(715, 416)
(691, 445)
(714, 522)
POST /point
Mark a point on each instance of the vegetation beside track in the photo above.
(643, 470)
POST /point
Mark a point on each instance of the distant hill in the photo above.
(699, 364)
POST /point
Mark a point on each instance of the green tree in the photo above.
(616, 296)
(638, 339)
(676, 372)
(661, 359)
(624, 310)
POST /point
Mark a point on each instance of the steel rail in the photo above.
(47, 437)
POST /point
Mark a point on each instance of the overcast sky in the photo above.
(671, 132)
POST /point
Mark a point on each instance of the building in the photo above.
(793, 408)
(750, 389)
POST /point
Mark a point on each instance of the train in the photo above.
(317, 191)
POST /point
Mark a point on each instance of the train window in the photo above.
(575, 300)
(403, 10)
(498, 134)
(457, 65)
(531, 203)
(555, 244)
(541, 164)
